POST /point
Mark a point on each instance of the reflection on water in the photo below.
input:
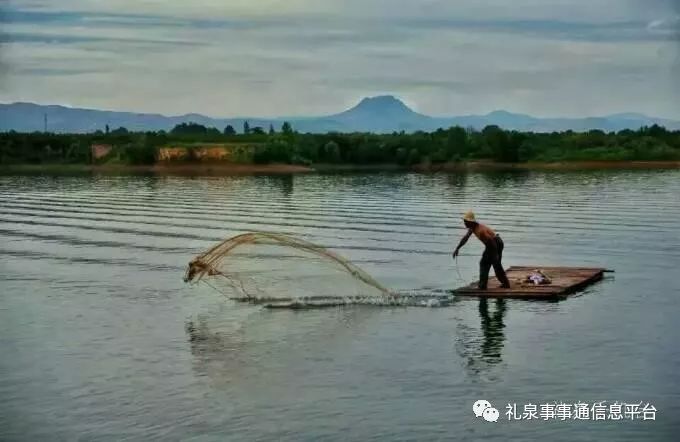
(217, 355)
(492, 328)
(201, 338)
(101, 340)
(256, 346)
(481, 346)
(500, 180)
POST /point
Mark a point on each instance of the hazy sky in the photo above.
(311, 57)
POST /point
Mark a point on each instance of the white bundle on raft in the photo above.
(537, 277)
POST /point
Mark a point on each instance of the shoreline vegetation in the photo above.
(284, 169)
(191, 148)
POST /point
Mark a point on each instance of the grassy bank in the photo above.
(443, 149)
(248, 169)
(170, 169)
(561, 165)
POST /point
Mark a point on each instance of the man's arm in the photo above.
(462, 242)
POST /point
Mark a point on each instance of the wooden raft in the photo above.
(564, 280)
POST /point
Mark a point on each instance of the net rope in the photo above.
(268, 266)
(282, 271)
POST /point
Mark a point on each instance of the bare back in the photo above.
(484, 233)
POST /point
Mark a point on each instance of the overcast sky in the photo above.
(311, 57)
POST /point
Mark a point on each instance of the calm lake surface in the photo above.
(101, 340)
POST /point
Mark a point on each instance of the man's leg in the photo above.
(500, 274)
(484, 266)
(498, 266)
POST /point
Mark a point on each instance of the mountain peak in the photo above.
(382, 102)
(384, 99)
(384, 105)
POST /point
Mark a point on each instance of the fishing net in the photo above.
(266, 267)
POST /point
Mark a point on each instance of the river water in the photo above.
(101, 340)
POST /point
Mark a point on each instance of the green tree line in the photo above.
(288, 146)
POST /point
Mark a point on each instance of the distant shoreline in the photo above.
(561, 165)
(254, 169)
(162, 169)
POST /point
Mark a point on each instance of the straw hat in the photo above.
(469, 216)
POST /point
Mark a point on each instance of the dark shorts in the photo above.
(490, 254)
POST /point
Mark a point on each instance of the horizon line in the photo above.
(293, 117)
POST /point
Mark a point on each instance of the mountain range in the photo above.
(379, 114)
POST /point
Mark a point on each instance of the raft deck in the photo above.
(564, 280)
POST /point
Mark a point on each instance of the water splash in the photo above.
(397, 300)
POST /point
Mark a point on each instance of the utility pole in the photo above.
(45, 121)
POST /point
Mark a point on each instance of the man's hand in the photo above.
(462, 243)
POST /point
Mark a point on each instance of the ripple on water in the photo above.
(102, 340)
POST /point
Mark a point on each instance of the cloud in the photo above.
(304, 57)
(669, 26)
(95, 19)
(65, 39)
(49, 72)
(618, 31)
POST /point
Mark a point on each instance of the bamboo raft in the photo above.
(564, 281)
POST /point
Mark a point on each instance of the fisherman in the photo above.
(493, 252)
